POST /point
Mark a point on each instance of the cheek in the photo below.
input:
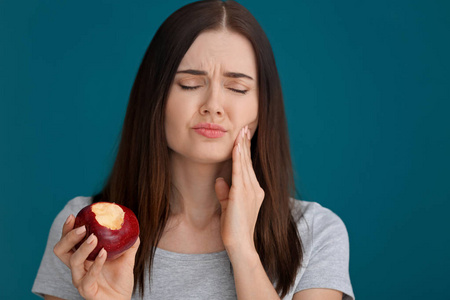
(172, 122)
(252, 119)
(245, 115)
(178, 114)
(250, 114)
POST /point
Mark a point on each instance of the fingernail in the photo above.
(69, 218)
(246, 129)
(239, 147)
(102, 252)
(248, 135)
(81, 230)
(90, 239)
(242, 132)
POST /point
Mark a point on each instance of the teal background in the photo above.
(366, 86)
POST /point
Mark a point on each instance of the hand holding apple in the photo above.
(100, 279)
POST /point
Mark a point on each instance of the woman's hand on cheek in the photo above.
(240, 203)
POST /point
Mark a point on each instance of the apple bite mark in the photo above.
(115, 226)
(109, 215)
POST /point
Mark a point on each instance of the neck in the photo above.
(194, 199)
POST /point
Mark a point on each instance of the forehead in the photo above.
(225, 49)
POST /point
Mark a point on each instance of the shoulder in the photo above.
(322, 231)
(77, 203)
(313, 217)
(326, 248)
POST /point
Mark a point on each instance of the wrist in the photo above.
(245, 255)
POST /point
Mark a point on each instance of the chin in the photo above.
(211, 155)
(212, 159)
(202, 155)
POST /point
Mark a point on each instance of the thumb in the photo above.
(135, 247)
(131, 252)
(222, 191)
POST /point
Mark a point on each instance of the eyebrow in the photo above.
(227, 74)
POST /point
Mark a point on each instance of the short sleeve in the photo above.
(328, 264)
(54, 277)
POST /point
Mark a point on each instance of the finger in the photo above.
(246, 159)
(236, 164)
(259, 192)
(250, 180)
(79, 257)
(68, 225)
(252, 174)
(89, 284)
(238, 137)
(135, 247)
(63, 248)
(130, 253)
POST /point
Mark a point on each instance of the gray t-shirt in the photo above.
(209, 276)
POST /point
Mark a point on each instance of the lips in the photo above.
(209, 126)
(210, 130)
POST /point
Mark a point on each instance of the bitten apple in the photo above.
(115, 226)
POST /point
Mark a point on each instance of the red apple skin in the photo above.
(115, 242)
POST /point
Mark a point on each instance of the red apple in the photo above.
(115, 226)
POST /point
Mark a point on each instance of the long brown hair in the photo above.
(140, 178)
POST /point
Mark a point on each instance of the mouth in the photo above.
(210, 130)
(211, 126)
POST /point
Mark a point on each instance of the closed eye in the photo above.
(185, 87)
(239, 91)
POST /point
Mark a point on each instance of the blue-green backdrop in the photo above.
(366, 86)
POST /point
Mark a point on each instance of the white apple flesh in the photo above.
(115, 226)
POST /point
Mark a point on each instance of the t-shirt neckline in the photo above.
(189, 256)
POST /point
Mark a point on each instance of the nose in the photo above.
(212, 103)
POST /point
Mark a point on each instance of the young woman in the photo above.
(204, 163)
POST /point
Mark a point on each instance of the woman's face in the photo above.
(215, 84)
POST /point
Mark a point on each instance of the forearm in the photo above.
(250, 278)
